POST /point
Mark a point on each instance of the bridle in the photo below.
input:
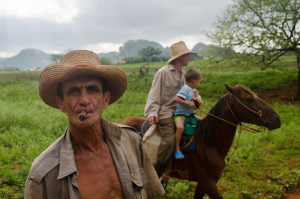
(239, 124)
(258, 113)
(252, 130)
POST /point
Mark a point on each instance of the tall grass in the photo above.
(9, 76)
(265, 165)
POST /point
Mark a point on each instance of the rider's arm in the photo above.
(178, 99)
(153, 100)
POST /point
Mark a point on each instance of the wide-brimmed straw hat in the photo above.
(80, 63)
(178, 49)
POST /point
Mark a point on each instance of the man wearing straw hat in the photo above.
(94, 158)
(160, 105)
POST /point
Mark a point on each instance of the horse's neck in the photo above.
(222, 133)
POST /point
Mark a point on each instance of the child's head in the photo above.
(193, 78)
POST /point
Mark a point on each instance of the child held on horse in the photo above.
(187, 99)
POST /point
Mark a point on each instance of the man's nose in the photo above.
(84, 99)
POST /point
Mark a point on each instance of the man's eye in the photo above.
(93, 89)
(73, 91)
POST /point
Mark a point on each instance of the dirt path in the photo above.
(295, 194)
(285, 94)
(292, 196)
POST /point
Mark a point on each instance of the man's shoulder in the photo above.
(165, 68)
(46, 161)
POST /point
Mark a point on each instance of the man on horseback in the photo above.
(160, 105)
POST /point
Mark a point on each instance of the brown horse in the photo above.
(214, 136)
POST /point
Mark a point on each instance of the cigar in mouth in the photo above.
(82, 116)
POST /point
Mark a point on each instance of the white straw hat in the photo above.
(80, 63)
(178, 49)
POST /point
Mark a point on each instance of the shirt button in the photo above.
(55, 154)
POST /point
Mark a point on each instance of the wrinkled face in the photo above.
(185, 59)
(83, 96)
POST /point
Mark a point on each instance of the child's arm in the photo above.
(182, 101)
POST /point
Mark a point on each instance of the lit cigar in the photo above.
(82, 116)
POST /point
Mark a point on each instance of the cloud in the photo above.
(104, 47)
(58, 11)
(59, 25)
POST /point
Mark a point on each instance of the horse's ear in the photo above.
(230, 89)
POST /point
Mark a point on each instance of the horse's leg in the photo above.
(212, 190)
(198, 195)
(209, 188)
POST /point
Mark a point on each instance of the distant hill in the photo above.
(32, 59)
(199, 47)
(131, 48)
(27, 59)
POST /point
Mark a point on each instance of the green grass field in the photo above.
(265, 165)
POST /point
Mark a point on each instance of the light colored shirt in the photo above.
(166, 83)
(187, 94)
(53, 173)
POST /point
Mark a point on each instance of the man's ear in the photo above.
(60, 104)
(106, 98)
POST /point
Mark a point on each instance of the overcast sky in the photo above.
(56, 26)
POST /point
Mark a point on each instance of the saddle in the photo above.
(146, 125)
(187, 142)
(151, 141)
(152, 138)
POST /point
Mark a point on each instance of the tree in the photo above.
(55, 58)
(212, 51)
(105, 61)
(148, 53)
(267, 28)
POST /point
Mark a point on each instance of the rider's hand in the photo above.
(152, 120)
(197, 101)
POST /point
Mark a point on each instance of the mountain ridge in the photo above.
(35, 59)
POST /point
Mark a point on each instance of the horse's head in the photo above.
(249, 108)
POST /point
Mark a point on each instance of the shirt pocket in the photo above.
(171, 88)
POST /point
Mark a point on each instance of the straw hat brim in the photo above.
(180, 54)
(115, 79)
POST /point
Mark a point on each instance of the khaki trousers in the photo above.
(166, 129)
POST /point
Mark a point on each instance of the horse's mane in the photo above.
(208, 124)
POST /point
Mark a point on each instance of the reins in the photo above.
(247, 128)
